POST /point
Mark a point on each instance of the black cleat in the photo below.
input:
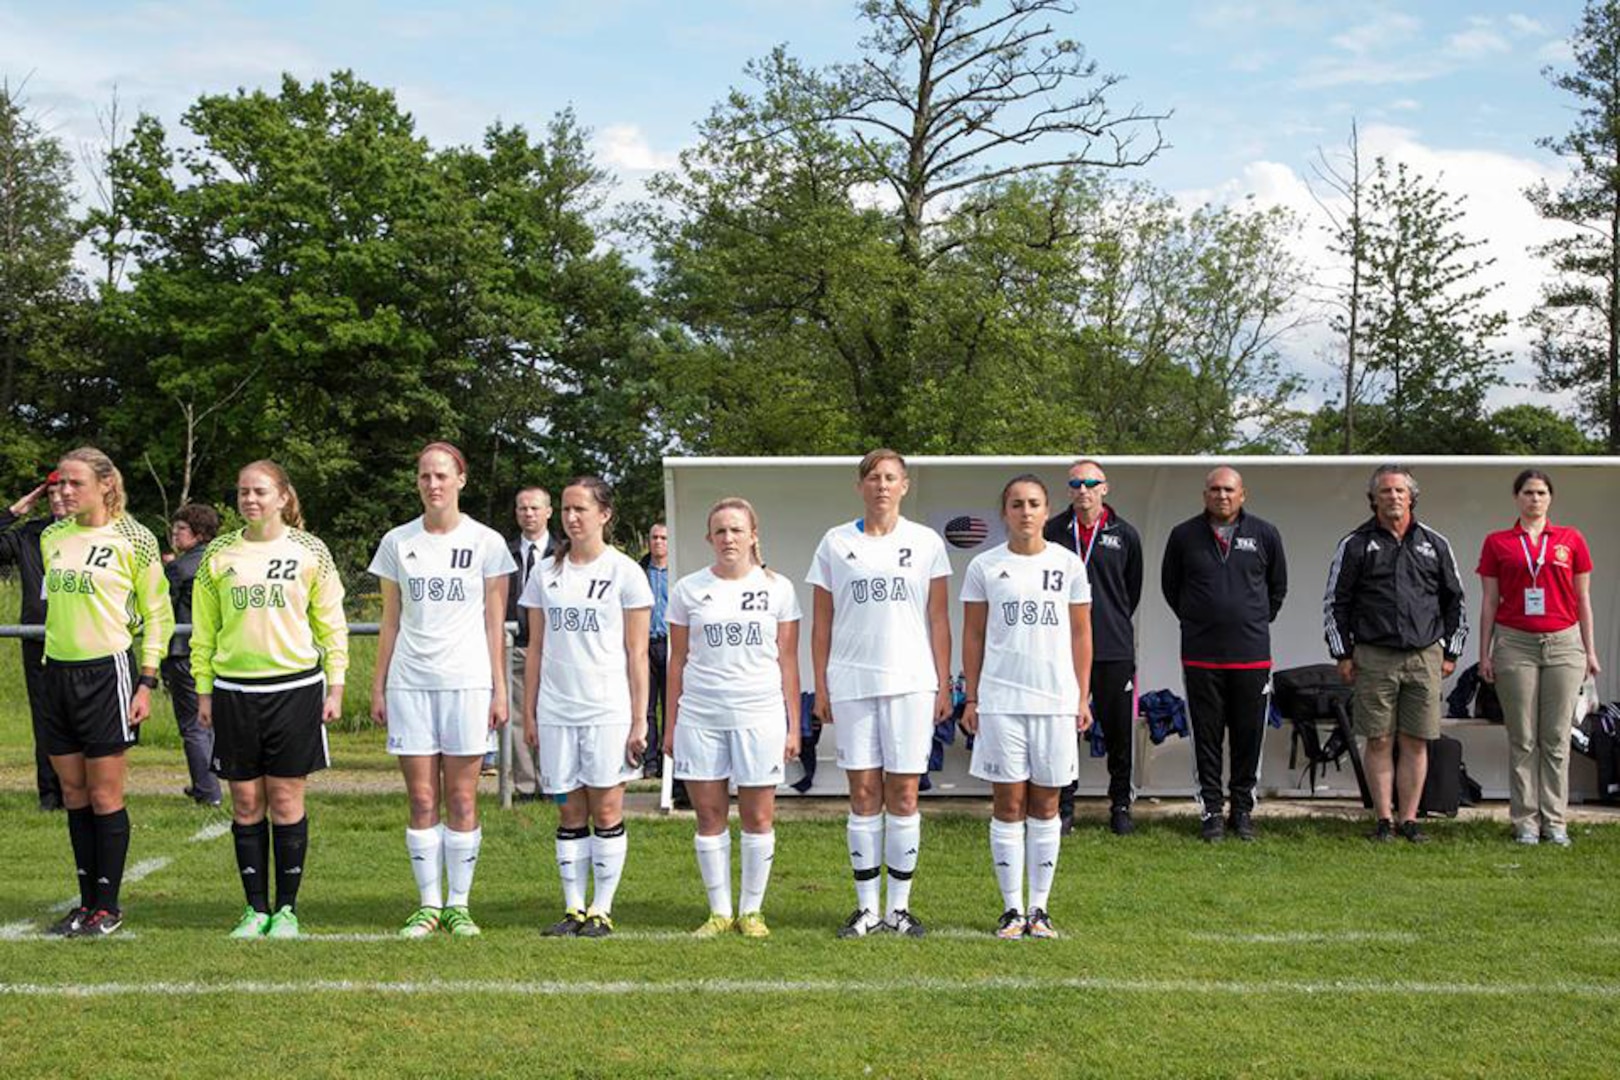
(100, 923)
(1384, 833)
(1242, 825)
(596, 925)
(570, 925)
(1211, 831)
(1410, 830)
(905, 924)
(861, 923)
(69, 924)
(1119, 821)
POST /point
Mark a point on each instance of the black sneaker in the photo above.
(861, 923)
(1243, 825)
(69, 924)
(1067, 825)
(1212, 831)
(905, 924)
(1410, 830)
(1119, 820)
(571, 924)
(596, 925)
(1384, 833)
(99, 923)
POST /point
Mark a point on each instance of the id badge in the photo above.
(1535, 601)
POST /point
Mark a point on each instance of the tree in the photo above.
(1579, 315)
(1537, 431)
(947, 103)
(1348, 233)
(40, 292)
(1420, 317)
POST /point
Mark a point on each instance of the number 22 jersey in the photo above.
(584, 674)
(879, 587)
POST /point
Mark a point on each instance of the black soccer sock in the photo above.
(82, 834)
(291, 843)
(112, 848)
(253, 862)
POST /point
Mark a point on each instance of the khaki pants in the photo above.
(525, 767)
(1538, 678)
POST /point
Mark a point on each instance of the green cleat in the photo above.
(252, 924)
(715, 926)
(459, 922)
(283, 924)
(422, 923)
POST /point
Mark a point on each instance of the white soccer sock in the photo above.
(1043, 840)
(758, 851)
(714, 863)
(460, 860)
(902, 838)
(426, 849)
(865, 836)
(1007, 856)
(573, 860)
(608, 848)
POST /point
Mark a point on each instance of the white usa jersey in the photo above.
(442, 643)
(879, 587)
(732, 667)
(1028, 654)
(584, 668)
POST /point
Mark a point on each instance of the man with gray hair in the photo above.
(1396, 623)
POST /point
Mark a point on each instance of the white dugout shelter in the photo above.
(1313, 500)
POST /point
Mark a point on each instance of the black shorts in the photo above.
(87, 706)
(269, 727)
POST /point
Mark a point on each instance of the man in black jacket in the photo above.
(1112, 552)
(1225, 577)
(1396, 623)
(19, 546)
(532, 546)
(192, 530)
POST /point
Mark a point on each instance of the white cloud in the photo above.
(1558, 51)
(625, 147)
(1378, 33)
(1525, 26)
(1476, 43)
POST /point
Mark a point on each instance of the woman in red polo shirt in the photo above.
(1537, 645)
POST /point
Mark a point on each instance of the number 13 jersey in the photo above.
(584, 673)
(1028, 654)
(879, 587)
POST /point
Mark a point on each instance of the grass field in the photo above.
(1312, 953)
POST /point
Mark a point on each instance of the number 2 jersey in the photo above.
(442, 642)
(267, 608)
(102, 586)
(733, 671)
(1028, 652)
(879, 587)
(584, 667)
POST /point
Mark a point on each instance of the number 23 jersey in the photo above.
(584, 673)
(879, 587)
(733, 669)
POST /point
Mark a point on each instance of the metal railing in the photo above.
(503, 740)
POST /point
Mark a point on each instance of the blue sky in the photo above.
(1256, 86)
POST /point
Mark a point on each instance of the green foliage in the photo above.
(1579, 316)
(1537, 431)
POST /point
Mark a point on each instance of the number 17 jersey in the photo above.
(584, 670)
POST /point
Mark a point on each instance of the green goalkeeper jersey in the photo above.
(103, 586)
(267, 608)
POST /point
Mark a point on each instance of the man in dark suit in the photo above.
(529, 548)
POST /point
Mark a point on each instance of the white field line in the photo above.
(1309, 937)
(792, 987)
(212, 831)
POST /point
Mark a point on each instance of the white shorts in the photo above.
(749, 756)
(422, 722)
(1014, 749)
(584, 756)
(893, 733)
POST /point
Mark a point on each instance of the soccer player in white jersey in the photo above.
(1026, 652)
(441, 654)
(585, 698)
(269, 651)
(880, 647)
(733, 694)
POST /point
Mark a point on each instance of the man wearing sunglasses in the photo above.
(1112, 552)
(1225, 577)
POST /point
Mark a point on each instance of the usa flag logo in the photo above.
(966, 531)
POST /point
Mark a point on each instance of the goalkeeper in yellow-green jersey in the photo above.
(269, 651)
(103, 585)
